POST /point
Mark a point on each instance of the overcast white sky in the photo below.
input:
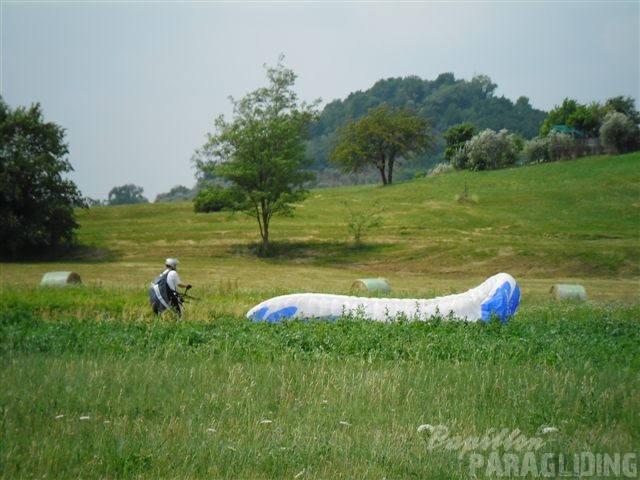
(137, 85)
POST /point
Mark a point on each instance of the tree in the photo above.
(491, 150)
(381, 139)
(588, 119)
(456, 137)
(559, 115)
(179, 193)
(585, 119)
(561, 146)
(625, 105)
(36, 201)
(262, 150)
(619, 133)
(126, 195)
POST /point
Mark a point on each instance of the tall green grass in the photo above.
(87, 396)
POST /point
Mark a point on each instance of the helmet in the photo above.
(171, 262)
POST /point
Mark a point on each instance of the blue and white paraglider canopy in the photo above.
(497, 296)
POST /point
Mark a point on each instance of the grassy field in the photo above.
(571, 222)
(93, 386)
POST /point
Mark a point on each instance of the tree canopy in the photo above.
(37, 201)
(261, 151)
(587, 119)
(179, 193)
(128, 194)
(381, 139)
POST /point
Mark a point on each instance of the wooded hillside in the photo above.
(445, 101)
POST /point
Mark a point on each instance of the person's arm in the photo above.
(174, 278)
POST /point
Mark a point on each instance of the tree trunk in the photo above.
(382, 175)
(380, 166)
(265, 230)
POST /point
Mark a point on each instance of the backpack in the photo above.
(163, 287)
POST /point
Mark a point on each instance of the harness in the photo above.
(161, 288)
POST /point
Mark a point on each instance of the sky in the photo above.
(137, 85)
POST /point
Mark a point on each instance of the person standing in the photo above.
(163, 293)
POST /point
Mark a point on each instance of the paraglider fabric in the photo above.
(497, 296)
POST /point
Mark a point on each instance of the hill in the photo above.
(445, 101)
(573, 221)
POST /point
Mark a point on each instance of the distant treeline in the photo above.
(445, 101)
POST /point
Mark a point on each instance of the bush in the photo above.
(491, 150)
(555, 146)
(178, 193)
(216, 198)
(561, 146)
(440, 169)
(460, 159)
(619, 133)
(536, 150)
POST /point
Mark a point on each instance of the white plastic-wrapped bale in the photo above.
(371, 285)
(60, 279)
(562, 291)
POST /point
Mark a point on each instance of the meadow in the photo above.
(94, 386)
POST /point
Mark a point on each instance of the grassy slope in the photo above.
(566, 221)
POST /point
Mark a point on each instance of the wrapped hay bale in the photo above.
(371, 285)
(569, 292)
(60, 279)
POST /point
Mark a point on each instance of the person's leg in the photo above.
(176, 305)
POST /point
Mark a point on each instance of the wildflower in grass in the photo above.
(85, 417)
(545, 430)
(265, 421)
(211, 430)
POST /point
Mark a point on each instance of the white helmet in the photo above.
(172, 262)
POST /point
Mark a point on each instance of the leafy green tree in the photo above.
(262, 150)
(456, 137)
(381, 139)
(559, 115)
(36, 201)
(126, 195)
(587, 118)
(624, 105)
